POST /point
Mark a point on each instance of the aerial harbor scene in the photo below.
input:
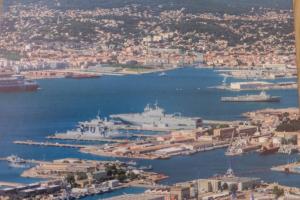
(149, 100)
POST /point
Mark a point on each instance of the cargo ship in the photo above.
(16, 83)
(262, 97)
(266, 150)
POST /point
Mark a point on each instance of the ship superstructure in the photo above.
(155, 117)
(96, 128)
(262, 97)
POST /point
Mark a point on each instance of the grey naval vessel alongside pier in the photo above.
(262, 97)
(155, 117)
(93, 129)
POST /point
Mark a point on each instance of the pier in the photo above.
(29, 142)
(216, 122)
(10, 184)
(76, 138)
(27, 161)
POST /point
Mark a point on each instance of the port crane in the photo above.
(237, 143)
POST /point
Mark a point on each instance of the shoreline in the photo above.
(61, 74)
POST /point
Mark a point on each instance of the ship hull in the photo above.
(274, 99)
(157, 123)
(19, 88)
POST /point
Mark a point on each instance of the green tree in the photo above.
(81, 176)
(278, 192)
(71, 180)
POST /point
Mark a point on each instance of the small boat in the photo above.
(146, 167)
(15, 159)
(16, 162)
(162, 74)
(133, 163)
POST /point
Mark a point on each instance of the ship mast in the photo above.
(297, 37)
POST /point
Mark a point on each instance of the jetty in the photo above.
(10, 184)
(76, 138)
(25, 160)
(50, 144)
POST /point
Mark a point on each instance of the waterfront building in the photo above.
(180, 193)
(249, 85)
(31, 190)
(247, 130)
(208, 185)
(224, 133)
(113, 183)
(220, 183)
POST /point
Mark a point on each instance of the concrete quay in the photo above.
(76, 138)
(27, 161)
(151, 156)
(10, 184)
(30, 142)
(293, 168)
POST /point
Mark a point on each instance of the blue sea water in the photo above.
(61, 103)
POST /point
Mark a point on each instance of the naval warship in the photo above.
(155, 117)
(262, 97)
(96, 128)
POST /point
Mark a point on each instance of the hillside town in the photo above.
(54, 150)
(36, 38)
